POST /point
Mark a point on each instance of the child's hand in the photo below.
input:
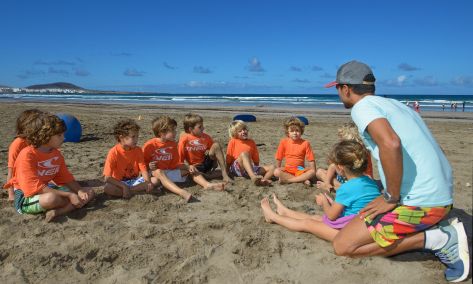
(152, 166)
(319, 199)
(329, 199)
(126, 191)
(149, 187)
(193, 169)
(75, 200)
(85, 194)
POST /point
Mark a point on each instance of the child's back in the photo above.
(356, 193)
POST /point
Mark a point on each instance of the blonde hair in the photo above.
(163, 124)
(124, 128)
(293, 122)
(41, 127)
(350, 154)
(235, 127)
(349, 131)
(191, 120)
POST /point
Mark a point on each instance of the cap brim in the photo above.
(331, 84)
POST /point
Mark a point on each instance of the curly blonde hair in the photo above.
(23, 120)
(293, 122)
(350, 154)
(191, 120)
(162, 125)
(235, 127)
(41, 127)
(124, 128)
(349, 131)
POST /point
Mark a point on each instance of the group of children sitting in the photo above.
(38, 179)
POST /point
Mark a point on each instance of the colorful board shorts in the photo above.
(30, 205)
(387, 228)
(237, 170)
(133, 181)
(339, 222)
(206, 166)
(295, 171)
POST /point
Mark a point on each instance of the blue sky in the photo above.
(414, 47)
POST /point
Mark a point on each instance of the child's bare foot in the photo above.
(323, 185)
(307, 183)
(282, 180)
(280, 208)
(50, 215)
(266, 182)
(216, 186)
(267, 211)
(227, 180)
(257, 180)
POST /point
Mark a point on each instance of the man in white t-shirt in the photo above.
(416, 176)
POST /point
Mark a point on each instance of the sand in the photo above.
(223, 238)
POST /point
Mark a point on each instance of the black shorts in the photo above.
(206, 166)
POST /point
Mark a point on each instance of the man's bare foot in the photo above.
(50, 215)
(257, 180)
(280, 208)
(267, 211)
(216, 186)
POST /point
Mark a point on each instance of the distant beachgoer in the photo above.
(463, 106)
(350, 158)
(455, 107)
(443, 107)
(408, 103)
(416, 106)
(415, 173)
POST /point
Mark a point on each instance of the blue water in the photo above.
(427, 102)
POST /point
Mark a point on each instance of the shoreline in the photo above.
(263, 110)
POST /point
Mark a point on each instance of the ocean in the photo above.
(427, 102)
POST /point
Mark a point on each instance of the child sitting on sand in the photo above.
(328, 178)
(162, 158)
(125, 163)
(350, 158)
(41, 163)
(295, 150)
(243, 156)
(199, 150)
(18, 144)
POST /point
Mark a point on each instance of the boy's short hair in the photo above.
(124, 128)
(293, 121)
(349, 131)
(191, 120)
(235, 127)
(163, 124)
(41, 127)
(23, 120)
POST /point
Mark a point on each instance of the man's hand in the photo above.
(152, 166)
(376, 207)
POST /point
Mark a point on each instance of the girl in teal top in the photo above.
(350, 158)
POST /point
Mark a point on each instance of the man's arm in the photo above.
(390, 154)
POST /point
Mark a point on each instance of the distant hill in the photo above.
(2, 86)
(58, 85)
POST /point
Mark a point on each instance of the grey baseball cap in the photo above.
(353, 73)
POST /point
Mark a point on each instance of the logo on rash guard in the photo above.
(195, 145)
(162, 154)
(46, 168)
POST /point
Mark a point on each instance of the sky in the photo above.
(237, 47)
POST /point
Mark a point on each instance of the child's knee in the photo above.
(320, 173)
(215, 146)
(277, 172)
(244, 155)
(51, 200)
